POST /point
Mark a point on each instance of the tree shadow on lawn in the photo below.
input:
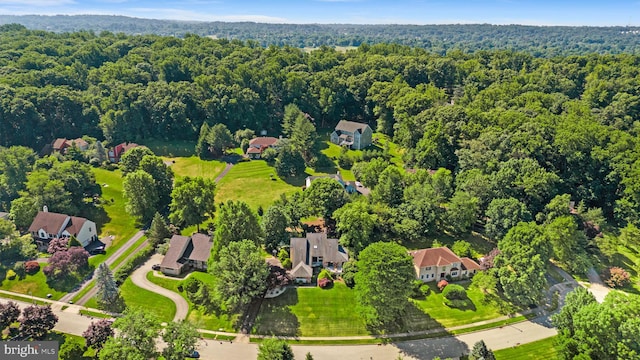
(98, 215)
(275, 316)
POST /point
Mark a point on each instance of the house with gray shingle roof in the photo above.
(353, 135)
(185, 253)
(315, 250)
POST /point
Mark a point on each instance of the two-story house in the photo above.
(186, 252)
(352, 134)
(439, 263)
(315, 250)
(258, 145)
(48, 225)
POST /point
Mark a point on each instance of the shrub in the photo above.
(455, 303)
(324, 283)
(127, 268)
(325, 274)
(349, 270)
(417, 293)
(31, 267)
(442, 284)
(425, 290)
(192, 285)
(18, 267)
(454, 292)
(11, 274)
(616, 277)
(286, 263)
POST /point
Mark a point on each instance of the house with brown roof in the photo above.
(185, 253)
(114, 154)
(440, 263)
(48, 225)
(258, 145)
(352, 134)
(315, 250)
(61, 144)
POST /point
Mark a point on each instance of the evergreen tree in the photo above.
(109, 298)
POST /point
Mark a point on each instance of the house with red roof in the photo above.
(440, 263)
(48, 225)
(61, 144)
(117, 151)
(258, 145)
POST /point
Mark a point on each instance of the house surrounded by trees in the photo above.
(440, 263)
(47, 226)
(186, 252)
(315, 250)
(258, 145)
(353, 135)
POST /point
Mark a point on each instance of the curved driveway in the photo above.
(139, 278)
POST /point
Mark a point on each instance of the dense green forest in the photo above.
(538, 40)
(507, 124)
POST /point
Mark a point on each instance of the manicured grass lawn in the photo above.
(35, 285)
(448, 317)
(118, 223)
(541, 349)
(171, 148)
(251, 182)
(311, 311)
(161, 307)
(128, 252)
(194, 166)
(196, 315)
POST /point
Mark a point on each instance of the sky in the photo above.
(527, 12)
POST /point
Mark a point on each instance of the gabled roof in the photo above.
(440, 256)
(302, 270)
(469, 264)
(253, 150)
(59, 144)
(183, 248)
(262, 141)
(177, 246)
(350, 126)
(316, 244)
(75, 224)
(48, 221)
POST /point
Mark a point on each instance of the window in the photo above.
(433, 275)
(422, 277)
(428, 268)
(455, 273)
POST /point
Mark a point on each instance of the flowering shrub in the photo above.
(442, 284)
(31, 267)
(616, 277)
(324, 283)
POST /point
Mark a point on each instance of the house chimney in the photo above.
(45, 208)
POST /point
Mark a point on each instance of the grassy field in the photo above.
(252, 183)
(194, 166)
(161, 307)
(35, 285)
(171, 148)
(311, 311)
(197, 316)
(448, 317)
(118, 222)
(542, 349)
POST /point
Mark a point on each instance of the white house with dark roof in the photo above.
(352, 134)
(186, 252)
(48, 225)
(436, 264)
(315, 250)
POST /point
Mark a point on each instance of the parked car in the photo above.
(97, 250)
(155, 267)
(194, 355)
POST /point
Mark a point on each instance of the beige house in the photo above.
(315, 250)
(439, 263)
(48, 225)
(186, 252)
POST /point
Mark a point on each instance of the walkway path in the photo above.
(109, 261)
(596, 286)
(139, 278)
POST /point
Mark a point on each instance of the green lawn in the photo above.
(194, 166)
(118, 223)
(251, 182)
(161, 307)
(311, 311)
(197, 316)
(171, 148)
(542, 349)
(448, 317)
(35, 285)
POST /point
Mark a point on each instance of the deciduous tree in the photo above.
(503, 214)
(274, 349)
(192, 201)
(324, 196)
(139, 189)
(98, 333)
(274, 225)
(36, 321)
(181, 339)
(235, 222)
(9, 313)
(135, 339)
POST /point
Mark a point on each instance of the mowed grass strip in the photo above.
(119, 224)
(194, 166)
(311, 311)
(542, 349)
(253, 183)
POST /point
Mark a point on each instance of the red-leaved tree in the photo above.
(31, 267)
(9, 313)
(37, 321)
(63, 263)
(98, 333)
(57, 245)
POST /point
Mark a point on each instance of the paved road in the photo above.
(596, 286)
(139, 278)
(109, 261)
